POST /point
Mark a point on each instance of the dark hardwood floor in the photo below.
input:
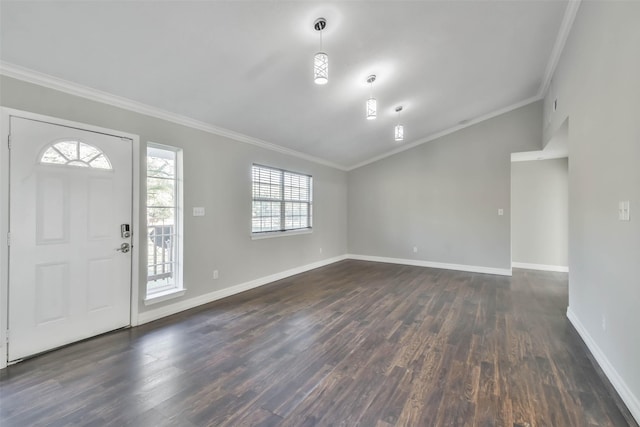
(351, 344)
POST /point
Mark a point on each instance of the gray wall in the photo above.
(539, 212)
(597, 84)
(217, 176)
(443, 196)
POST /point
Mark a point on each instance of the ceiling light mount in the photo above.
(320, 24)
(398, 108)
(371, 78)
(320, 59)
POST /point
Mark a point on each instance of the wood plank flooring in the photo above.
(351, 344)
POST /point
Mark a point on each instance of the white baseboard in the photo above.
(168, 310)
(630, 400)
(3, 352)
(445, 266)
(155, 314)
(543, 267)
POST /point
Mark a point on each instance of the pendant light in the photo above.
(320, 59)
(399, 131)
(372, 104)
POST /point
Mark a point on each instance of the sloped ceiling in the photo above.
(246, 66)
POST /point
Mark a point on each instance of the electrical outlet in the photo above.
(415, 249)
(320, 250)
(215, 274)
(500, 212)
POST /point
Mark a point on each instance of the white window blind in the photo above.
(282, 200)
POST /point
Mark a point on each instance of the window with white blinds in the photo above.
(281, 200)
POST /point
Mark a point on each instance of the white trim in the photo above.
(164, 296)
(532, 156)
(140, 236)
(41, 79)
(630, 400)
(543, 267)
(6, 114)
(4, 229)
(51, 82)
(431, 264)
(446, 132)
(151, 315)
(271, 234)
(563, 33)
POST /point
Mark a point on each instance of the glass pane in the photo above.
(87, 152)
(161, 163)
(69, 149)
(161, 257)
(161, 192)
(161, 216)
(100, 162)
(78, 163)
(75, 153)
(296, 215)
(266, 191)
(266, 183)
(52, 156)
(266, 216)
(296, 187)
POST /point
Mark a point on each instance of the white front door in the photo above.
(70, 192)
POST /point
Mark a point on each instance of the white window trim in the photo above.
(279, 233)
(164, 296)
(179, 289)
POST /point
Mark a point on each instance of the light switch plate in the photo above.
(500, 212)
(199, 211)
(623, 210)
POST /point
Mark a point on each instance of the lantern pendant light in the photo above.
(372, 104)
(399, 130)
(320, 59)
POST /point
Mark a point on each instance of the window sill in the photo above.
(164, 296)
(271, 234)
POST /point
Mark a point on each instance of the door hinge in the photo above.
(7, 336)
(8, 239)
(9, 141)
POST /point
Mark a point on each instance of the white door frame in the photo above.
(5, 115)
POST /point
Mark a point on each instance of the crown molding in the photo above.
(448, 131)
(563, 33)
(71, 88)
(51, 82)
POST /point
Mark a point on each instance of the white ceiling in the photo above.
(246, 66)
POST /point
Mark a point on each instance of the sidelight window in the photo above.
(164, 231)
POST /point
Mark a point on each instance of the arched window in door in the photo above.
(75, 153)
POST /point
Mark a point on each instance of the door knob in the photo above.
(124, 248)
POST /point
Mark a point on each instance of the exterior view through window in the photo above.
(163, 220)
(282, 200)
